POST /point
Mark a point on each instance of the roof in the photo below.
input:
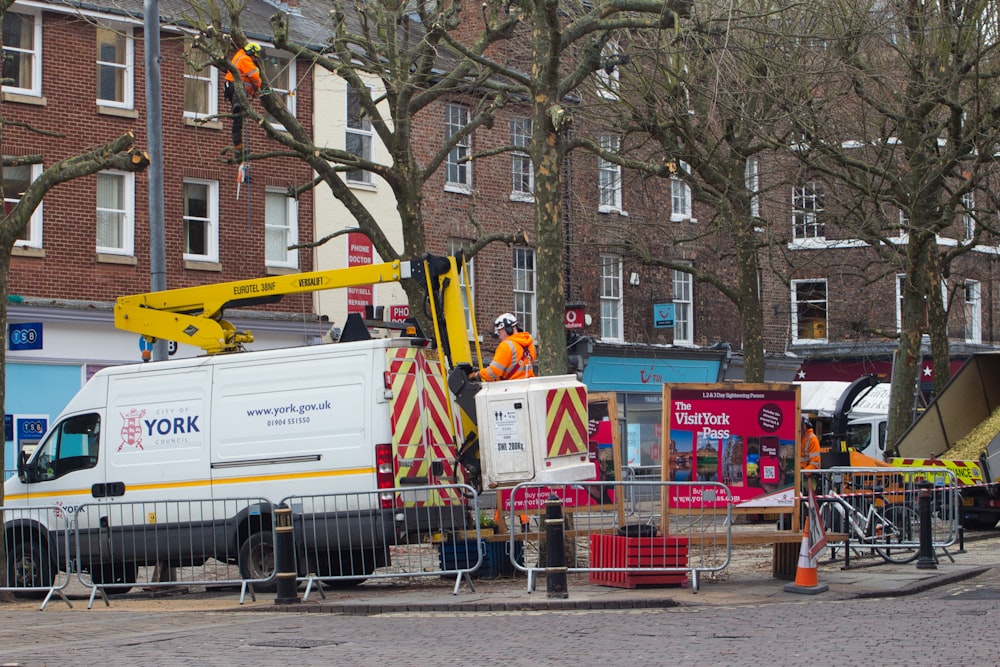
(309, 24)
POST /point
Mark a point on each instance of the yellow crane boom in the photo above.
(194, 315)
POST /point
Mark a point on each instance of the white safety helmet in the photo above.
(507, 322)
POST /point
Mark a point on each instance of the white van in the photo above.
(867, 417)
(312, 420)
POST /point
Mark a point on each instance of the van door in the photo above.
(423, 435)
(65, 472)
(156, 441)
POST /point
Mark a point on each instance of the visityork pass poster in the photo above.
(739, 435)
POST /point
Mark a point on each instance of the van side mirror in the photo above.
(22, 466)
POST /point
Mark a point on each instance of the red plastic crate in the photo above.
(642, 553)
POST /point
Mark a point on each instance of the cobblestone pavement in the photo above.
(943, 626)
(743, 618)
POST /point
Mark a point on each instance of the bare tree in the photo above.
(698, 107)
(564, 46)
(402, 46)
(120, 154)
(908, 123)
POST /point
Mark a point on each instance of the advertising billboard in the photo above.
(742, 435)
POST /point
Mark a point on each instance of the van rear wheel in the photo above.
(256, 561)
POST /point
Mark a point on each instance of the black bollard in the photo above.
(555, 550)
(284, 556)
(926, 560)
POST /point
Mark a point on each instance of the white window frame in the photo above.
(968, 216)
(680, 196)
(609, 177)
(466, 277)
(290, 228)
(525, 288)
(457, 174)
(211, 221)
(208, 77)
(365, 134)
(904, 225)
(522, 171)
(609, 83)
(796, 301)
(752, 180)
(900, 279)
(973, 312)
(127, 68)
(35, 53)
(683, 291)
(127, 213)
(34, 227)
(285, 64)
(612, 299)
(807, 210)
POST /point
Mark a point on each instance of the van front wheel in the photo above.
(28, 566)
(257, 561)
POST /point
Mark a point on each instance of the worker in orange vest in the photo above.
(809, 458)
(246, 62)
(515, 356)
(809, 446)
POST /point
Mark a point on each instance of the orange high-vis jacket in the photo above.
(809, 451)
(248, 71)
(514, 359)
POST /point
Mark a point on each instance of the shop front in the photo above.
(636, 375)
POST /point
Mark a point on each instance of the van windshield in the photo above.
(72, 446)
(859, 436)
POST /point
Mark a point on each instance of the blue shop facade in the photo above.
(636, 375)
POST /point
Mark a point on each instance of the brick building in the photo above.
(76, 81)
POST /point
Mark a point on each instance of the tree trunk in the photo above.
(906, 364)
(547, 154)
(937, 321)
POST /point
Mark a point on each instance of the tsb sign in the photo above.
(27, 336)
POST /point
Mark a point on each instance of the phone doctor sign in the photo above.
(742, 435)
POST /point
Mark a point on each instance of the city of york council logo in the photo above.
(132, 429)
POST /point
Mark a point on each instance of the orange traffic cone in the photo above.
(806, 579)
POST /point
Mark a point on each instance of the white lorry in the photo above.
(855, 413)
(372, 416)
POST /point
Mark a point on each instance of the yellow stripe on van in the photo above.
(194, 483)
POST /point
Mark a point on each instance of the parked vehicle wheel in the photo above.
(257, 560)
(117, 578)
(29, 566)
(347, 564)
(979, 523)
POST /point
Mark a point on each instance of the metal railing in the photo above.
(36, 541)
(173, 543)
(345, 539)
(876, 510)
(626, 533)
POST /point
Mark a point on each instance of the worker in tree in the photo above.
(515, 356)
(246, 62)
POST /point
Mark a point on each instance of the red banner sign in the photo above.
(359, 253)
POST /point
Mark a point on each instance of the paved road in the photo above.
(952, 625)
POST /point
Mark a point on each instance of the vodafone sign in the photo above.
(574, 317)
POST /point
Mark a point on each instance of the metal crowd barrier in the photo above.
(432, 531)
(626, 533)
(174, 543)
(877, 509)
(37, 557)
(635, 494)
